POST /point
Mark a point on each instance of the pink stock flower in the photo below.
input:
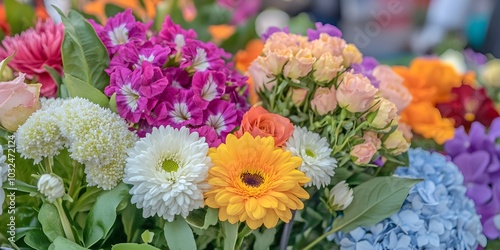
(35, 48)
(207, 86)
(199, 56)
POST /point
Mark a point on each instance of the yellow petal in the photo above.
(235, 208)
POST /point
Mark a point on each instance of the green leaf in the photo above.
(203, 218)
(112, 103)
(77, 87)
(230, 235)
(62, 243)
(264, 240)
(374, 201)
(132, 220)
(61, 92)
(133, 246)
(20, 16)
(179, 235)
(84, 56)
(102, 216)
(37, 240)
(5, 61)
(25, 187)
(51, 224)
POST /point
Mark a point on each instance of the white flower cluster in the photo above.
(94, 136)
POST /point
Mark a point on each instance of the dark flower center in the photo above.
(252, 180)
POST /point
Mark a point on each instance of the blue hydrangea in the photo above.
(435, 215)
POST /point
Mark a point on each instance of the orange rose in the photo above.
(259, 122)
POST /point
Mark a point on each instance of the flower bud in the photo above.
(363, 153)
(396, 142)
(340, 196)
(386, 112)
(51, 186)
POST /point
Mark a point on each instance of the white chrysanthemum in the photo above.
(51, 186)
(95, 137)
(4, 167)
(167, 169)
(315, 153)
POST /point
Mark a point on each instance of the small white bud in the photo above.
(51, 186)
(340, 196)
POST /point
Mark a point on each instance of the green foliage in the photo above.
(20, 16)
(179, 235)
(374, 201)
(49, 218)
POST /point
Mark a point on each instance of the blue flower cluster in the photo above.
(435, 215)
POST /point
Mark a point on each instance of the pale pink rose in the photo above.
(355, 93)
(396, 143)
(282, 40)
(260, 76)
(18, 101)
(35, 48)
(299, 65)
(298, 96)
(327, 44)
(324, 100)
(386, 111)
(406, 130)
(391, 87)
(372, 136)
(326, 67)
(351, 55)
(363, 153)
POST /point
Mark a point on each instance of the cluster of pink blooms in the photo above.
(170, 78)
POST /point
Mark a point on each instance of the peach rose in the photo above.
(298, 96)
(299, 65)
(391, 87)
(372, 136)
(355, 93)
(326, 67)
(363, 153)
(386, 112)
(260, 77)
(327, 44)
(351, 55)
(324, 100)
(259, 122)
(396, 142)
(18, 101)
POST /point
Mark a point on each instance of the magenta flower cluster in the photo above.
(477, 155)
(171, 78)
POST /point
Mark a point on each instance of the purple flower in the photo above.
(477, 59)
(173, 35)
(121, 29)
(323, 28)
(130, 103)
(131, 56)
(221, 116)
(273, 29)
(207, 86)
(178, 78)
(366, 68)
(473, 167)
(241, 9)
(211, 137)
(199, 56)
(153, 82)
(179, 110)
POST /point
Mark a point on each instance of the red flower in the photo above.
(467, 105)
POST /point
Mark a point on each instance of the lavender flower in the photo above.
(435, 215)
(323, 28)
(366, 68)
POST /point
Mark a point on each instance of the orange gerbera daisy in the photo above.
(254, 181)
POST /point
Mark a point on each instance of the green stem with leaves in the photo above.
(49, 162)
(320, 238)
(64, 220)
(74, 179)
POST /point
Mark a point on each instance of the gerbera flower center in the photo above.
(169, 165)
(310, 153)
(252, 180)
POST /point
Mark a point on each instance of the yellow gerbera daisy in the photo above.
(254, 181)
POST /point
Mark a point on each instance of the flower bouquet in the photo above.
(120, 136)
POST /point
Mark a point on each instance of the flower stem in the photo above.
(74, 176)
(285, 236)
(49, 161)
(320, 238)
(64, 221)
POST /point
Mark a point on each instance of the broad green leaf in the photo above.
(84, 55)
(61, 92)
(77, 87)
(374, 201)
(5, 61)
(179, 235)
(37, 240)
(112, 103)
(264, 240)
(133, 246)
(25, 187)
(62, 243)
(51, 224)
(102, 216)
(132, 220)
(203, 218)
(20, 16)
(230, 235)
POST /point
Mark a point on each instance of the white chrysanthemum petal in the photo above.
(168, 193)
(315, 153)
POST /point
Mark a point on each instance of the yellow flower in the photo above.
(254, 181)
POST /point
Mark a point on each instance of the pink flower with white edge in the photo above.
(36, 48)
(324, 100)
(355, 93)
(207, 86)
(363, 153)
(179, 110)
(221, 116)
(18, 101)
(199, 56)
(391, 87)
(174, 35)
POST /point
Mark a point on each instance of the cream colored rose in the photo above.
(299, 65)
(372, 136)
(18, 101)
(396, 142)
(355, 93)
(327, 44)
(326, 67)
(351, 55)
(491, 73)
(386, 112)
(298, 96)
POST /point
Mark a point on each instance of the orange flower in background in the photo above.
(244, 58)
(4, 26)
(426, 120)
(255, 182)
(40, 10)
(259, 122)
(221, 32)
(436, 73)
(97, 8)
